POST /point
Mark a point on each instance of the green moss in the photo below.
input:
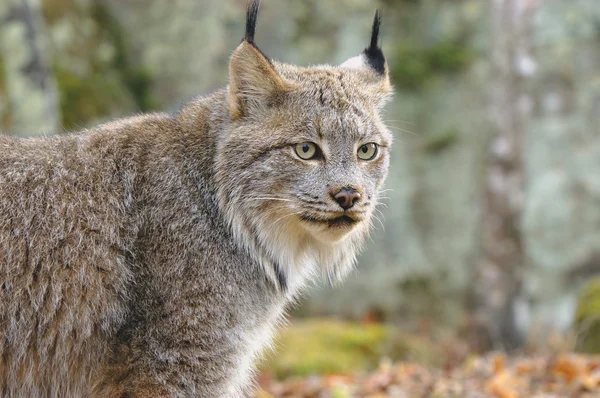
(439, 142)
(416, 65)
(135, 77)
(110, 85)
(340, 392)
(326, 346)
(54, 10)
(333, 346)
(85, 99)
(587, 317)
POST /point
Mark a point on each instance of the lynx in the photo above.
(153, 256)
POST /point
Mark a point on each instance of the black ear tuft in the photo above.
(373, 53)
(251, 16)
(375, 29)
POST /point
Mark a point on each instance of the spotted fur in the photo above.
(153, 256)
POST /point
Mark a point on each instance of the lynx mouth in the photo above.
(336, 222)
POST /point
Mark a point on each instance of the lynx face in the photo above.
(337, 157)
(303, 160)
(317, 159)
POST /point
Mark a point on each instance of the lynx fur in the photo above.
(153, 256)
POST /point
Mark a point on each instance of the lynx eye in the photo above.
(307, 150)
(368, 151)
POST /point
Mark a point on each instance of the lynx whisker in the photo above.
(382, 204)
(380, 222)
(404, 130)
(286, 216)
(400, 121)
(275, 199)
(379, 212)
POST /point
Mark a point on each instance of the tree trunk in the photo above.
(30, 86)
(499, 285)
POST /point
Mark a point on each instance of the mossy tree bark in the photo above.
(30, 86)
(500, 271)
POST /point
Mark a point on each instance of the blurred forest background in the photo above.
(492, 226)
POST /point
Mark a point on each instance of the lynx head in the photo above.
(302, 158)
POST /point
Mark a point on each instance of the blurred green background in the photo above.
(491, 224)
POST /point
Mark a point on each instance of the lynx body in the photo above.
(153, 256)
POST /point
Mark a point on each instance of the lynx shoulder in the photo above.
(153, 256)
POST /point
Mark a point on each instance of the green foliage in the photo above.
(587, 317)
(332, 346)
(107, 86)
(136, 78)
(84, 99)
(415, 65)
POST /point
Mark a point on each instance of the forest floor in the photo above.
(494, 375)
(304, 365)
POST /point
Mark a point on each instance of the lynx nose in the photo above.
(346, 197)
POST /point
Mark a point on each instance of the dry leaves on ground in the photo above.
(493, 375)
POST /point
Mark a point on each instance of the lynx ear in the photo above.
(253, 80)
(372, 58)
